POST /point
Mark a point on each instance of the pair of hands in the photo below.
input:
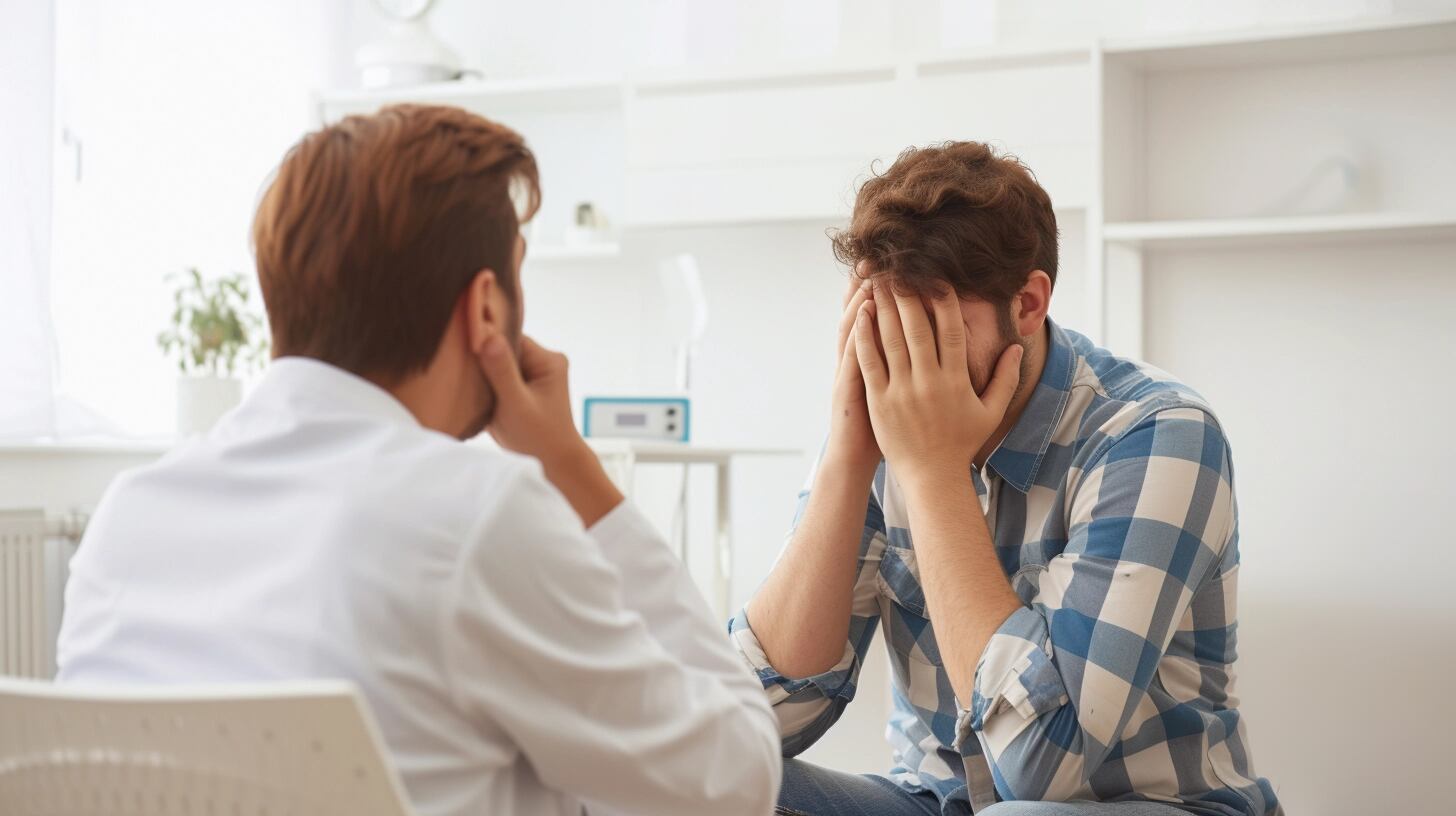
(903, 389)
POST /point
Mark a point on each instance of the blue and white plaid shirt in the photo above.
(1112, 509)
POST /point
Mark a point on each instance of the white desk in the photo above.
(621, 457)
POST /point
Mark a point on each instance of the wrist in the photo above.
(571, 455)
(851, 458)
(578, 475)
(927, 476)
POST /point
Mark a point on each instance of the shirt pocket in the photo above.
(907, 626)
(1026, 582)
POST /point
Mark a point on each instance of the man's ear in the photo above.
(485, 312)
(1029, 308)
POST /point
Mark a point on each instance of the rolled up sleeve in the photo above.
(806, 707)
(1016, 672)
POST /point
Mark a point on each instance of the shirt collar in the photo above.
(1019, 456)
(313, 385)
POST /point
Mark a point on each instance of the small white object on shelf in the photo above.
(408, 53)
(589, 226)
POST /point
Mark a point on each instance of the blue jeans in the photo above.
(810, 790)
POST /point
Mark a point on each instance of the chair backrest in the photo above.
(26, 649)
(266, 750)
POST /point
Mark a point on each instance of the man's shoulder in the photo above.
(477, 456)
(1112, 395)
(362, 475)
(469, 480)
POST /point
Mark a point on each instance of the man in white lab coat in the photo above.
(527, 642)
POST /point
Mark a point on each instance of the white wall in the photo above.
(1332, 370)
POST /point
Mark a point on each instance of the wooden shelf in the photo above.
(1309, 229)
(1325, 42)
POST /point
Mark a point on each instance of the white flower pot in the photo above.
(202, 400)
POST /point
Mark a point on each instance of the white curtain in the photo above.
(27, 348)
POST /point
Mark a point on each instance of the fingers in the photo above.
(502, 368)
(919, 336)
(849, 360)
(858, 280)
(950, 328)
(998, 393)
(871, 365)
(537, 360)
(892, 334)
(855, 298)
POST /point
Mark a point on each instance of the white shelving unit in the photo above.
(668, 150)
(1302, 137)
(1184, 143)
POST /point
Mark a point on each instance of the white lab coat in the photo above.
(517, 663)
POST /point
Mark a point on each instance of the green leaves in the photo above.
(212, 328)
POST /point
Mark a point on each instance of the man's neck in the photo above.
(1031, 368)
(425, 397)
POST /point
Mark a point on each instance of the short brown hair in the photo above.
(374, 225)
(956, 213)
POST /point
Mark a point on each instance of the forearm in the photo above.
(801, 614)
(966, 591)
(579, 476)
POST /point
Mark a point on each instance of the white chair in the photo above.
(295, 749)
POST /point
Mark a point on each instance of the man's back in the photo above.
(320, 531)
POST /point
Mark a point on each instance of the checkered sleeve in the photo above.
(808, 706)
(1059, 681)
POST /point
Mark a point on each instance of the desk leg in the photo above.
(723, 557)
(621, 468)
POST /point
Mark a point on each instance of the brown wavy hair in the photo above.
(373, 226)
(957, 213)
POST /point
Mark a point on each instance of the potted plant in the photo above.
(212, 335)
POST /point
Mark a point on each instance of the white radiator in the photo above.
(34, 553)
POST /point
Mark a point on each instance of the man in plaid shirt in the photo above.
(1046, 534)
